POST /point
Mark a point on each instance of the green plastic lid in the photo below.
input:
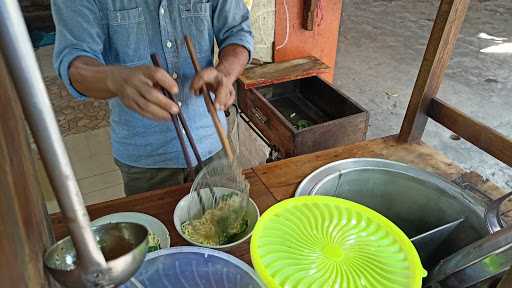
(321, 241)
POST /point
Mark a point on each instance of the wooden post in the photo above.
(309, 18)
(474, 131)
(24, 229)
(445, 31)
(300, 43)
(506, 281)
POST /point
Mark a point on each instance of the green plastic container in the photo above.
(321, 241)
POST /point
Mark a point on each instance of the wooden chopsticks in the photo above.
(209, 103)
(179, 121)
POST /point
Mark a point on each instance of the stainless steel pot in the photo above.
(415, 200)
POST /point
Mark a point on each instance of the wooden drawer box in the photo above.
(303, 115)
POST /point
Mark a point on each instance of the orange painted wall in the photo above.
(322, 42)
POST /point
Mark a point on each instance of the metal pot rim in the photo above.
(311, 184)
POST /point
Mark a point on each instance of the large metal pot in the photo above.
(415, 200)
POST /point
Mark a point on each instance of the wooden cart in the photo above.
(23, 221)
(276, 97)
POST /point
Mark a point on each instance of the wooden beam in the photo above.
(506, 281)
(38, 15)
(34, 2)
(39, 20)
(24, 227)
(309, 18)
(447, 24)
(477, 133)
(272, 73)
(300, 43)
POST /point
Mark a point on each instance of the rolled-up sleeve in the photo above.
(232, 24)
(80, 31)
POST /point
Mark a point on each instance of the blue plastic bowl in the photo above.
(193, 267)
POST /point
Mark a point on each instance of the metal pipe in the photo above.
(493, 213)
(16, 48)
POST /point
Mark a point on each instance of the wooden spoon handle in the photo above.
(209, 103)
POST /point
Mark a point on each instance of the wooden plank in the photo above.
(330, 111)
(34, 2)
(343, 131)
(273, 73)
(156, 203)
(161, 203)
(40, 21)
(331, 100)
(506, 281)
(277, 181)
(267, 119)
(24, 228)
(299, 43)
(283, 177)
(310, 11)
(445, 31)
(38, 15)
(477, 133)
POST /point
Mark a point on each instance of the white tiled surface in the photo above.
(104, 194)
(99, 141)
(44, 58)
(96, 164)
(263, 24)
(98, 182)
(98, 177)
(78, 148)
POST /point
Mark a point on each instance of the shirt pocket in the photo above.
(197, 23)
(128, 37)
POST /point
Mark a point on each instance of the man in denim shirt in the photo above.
(103, 50)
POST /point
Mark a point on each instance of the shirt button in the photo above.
(174, 76)
(162, 11)
(169, 44)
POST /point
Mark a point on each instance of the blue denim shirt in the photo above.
(126, 32)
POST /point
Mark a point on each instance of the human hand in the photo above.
(218, 83)
(137, 89)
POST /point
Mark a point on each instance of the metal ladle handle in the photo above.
(479, 261)
(16, 48)
(493, 216)
(492, 213)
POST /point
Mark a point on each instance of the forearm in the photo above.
(232, 61)
(91, 77)
(135, 86)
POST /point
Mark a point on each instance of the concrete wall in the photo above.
(263, 23)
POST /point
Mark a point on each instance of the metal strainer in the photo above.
(223, 216)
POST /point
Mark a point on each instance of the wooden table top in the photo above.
(283, 177)
(161, 203)
(277, 181)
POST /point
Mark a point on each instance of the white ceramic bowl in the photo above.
(181, 213)
(151, 223)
